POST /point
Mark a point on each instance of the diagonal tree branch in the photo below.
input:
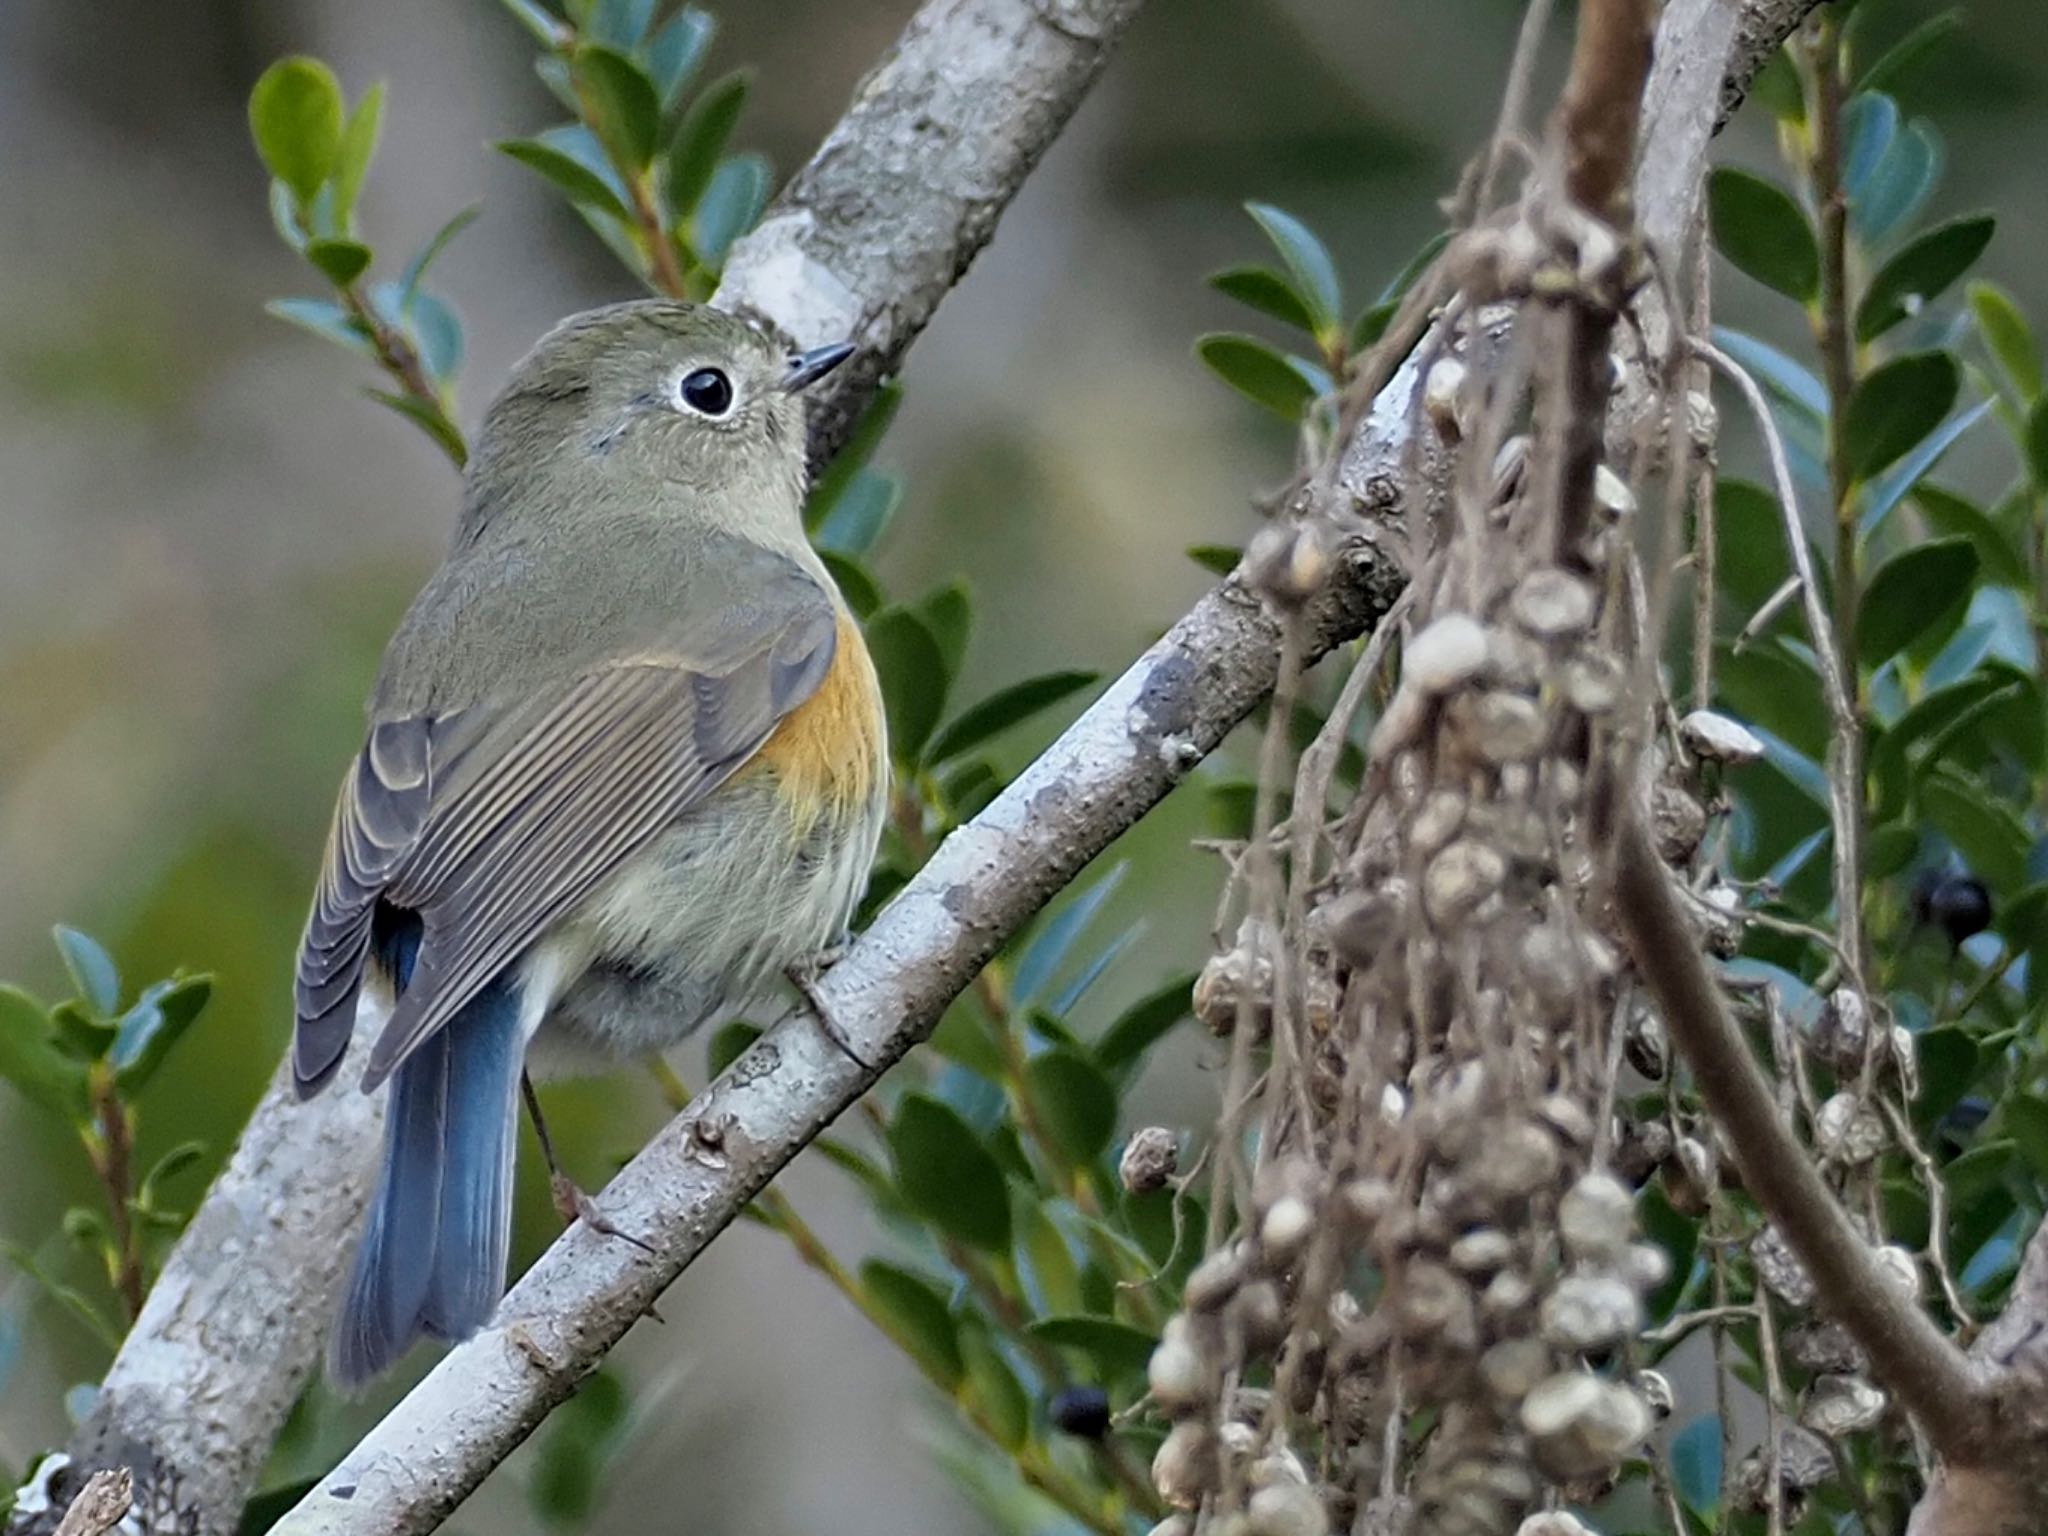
(863, 243)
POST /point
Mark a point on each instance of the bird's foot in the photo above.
(804, 975)
(573, 1205)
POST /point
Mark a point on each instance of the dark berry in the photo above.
(1082, 1411)
(1959, 906)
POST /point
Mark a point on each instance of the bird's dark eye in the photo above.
(707, 391)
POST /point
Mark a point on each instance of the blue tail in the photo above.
(432, 1257)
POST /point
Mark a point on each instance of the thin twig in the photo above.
(1908, 1354)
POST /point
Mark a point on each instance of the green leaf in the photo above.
(91, 968)
(416, 270)
(2037, 442)
(912, 668)
(1002, 709)
(1762, 231)
(1257, 372)
(1077, 1102)
(546, 30)
(1412, 270)
(1371, 325)
(619, 23)
(839, 475)
(860, 514)
(1953, 516)
(444, 433)
(358, 148)
(948, 612)
(1896, 405)
(295, 118)
(676, 51)
(1117, 1348)
(1900, 184)
(2026, 1118)
(341, 262)
(1217, 559)
(1923, 269)
(2008, 336)
(919, 1318)
(699, 139)
(1911, 51)
(1696, 1465)
(855, 584)
(1054, 940)
(993, 1388)
(30, 1060)
(1983, 828)
(1142, 1025)
(174, 1162)
(1891, 488)
(1750, 558)
(1315, 275)
(1045, 1250)
(946, 1175)
(1263, 289)
(1869, 125)
(81, 1031)
(965, 1035)
(153, 1026)
(325, 319)
(1777, 90)
(1908, 593)
(620, 102)
(729, 1044)
(730, 205)
(569, 172)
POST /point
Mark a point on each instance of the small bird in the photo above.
(626, 769)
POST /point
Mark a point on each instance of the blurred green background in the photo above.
(205, 536)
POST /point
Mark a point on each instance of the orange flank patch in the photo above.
(826, 750)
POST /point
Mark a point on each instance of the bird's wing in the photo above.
(492, 821)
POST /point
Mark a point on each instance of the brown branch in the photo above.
(1602, 99)
(1909, 1356)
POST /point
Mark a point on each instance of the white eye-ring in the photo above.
(707, 391)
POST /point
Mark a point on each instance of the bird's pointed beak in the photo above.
(806, 368)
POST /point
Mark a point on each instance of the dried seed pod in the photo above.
(1497, 726)
(1506, 1294)
(1846, 1129)
(1645, 1044)
(1460, 879)
(1286, 1227)
(1654, 1388)
(1149, 1160)
(1363, 926)
(1593, 682)
(1482, 1251)
(1438, 821)
(1841, 1405)
(1678, 823)
(1255, 1315)
(1596, 1218)
(1435, 1305)
(1513, 1368)
(1554, 1523)
(1287, 563)
(1586, 1312)
(1286, 1509)
(1214, 1281)
(1364, 1203)
(1179, 1372)
(1552, 603)
(1641, 1148)
(1579, 1425)
(1824, 1349)
(1450, 652)
(1240, 977)
(1442, 392)
(1567, 1117)
(1780, 1270)
(1612, 495)
(1719, 739)
(1804, 1462)
(1900, 1268)
(1516, 1161)
(1644, 1266)
(1185, 1466)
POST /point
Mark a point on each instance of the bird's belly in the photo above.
(700, 928)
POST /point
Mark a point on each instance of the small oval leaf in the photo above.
(295, 116)
(946, 1175)
(1895, 406)
(1920, 272)
(1257, 372)
(1909, 593)
(1763, 231)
